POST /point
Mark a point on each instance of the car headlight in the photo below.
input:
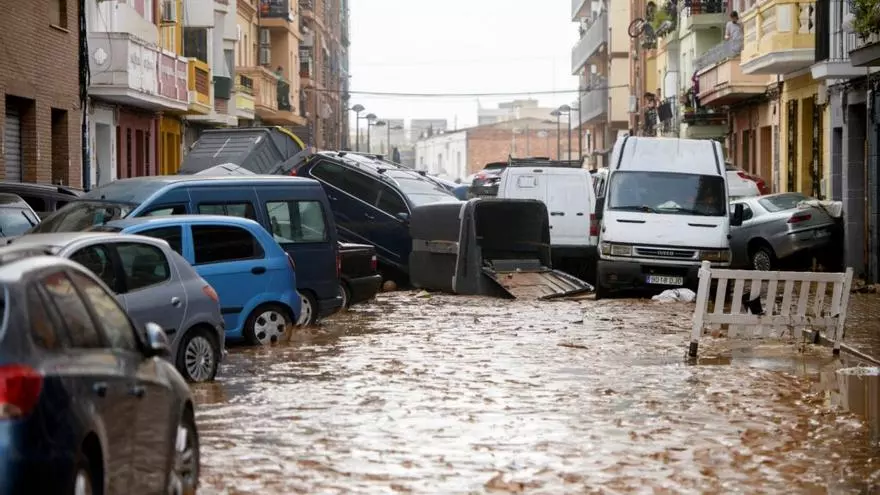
(609, 249)
(717, 255)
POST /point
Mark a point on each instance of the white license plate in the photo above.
(664, 280)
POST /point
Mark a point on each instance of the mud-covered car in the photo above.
(359, 279)
(486, 181)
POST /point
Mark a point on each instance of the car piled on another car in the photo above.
(485, 182)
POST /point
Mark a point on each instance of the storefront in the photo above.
(135, 143)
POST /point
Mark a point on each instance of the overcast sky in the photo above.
(458, 46)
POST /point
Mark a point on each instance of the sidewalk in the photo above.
(863, 323)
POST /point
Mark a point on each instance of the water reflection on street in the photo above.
(454, 395)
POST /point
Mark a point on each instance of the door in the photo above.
(12, 144)
(387, 230)
(234, 263)
(351, 195)
(569, 206)
(153, 422)
(739, 237)
(151, 291)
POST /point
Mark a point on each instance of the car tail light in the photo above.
(480, 175)
(800, 217)
(743, 175)
(292, 172)
(374, 263)
(210, 292)
(594, 225)
(20, 388)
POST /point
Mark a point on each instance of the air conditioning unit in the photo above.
(169, 11)
(265, 56)
(265, 37)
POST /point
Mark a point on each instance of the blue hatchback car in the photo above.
(254, 278)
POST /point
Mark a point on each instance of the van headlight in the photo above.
(611, 249)
(716, 255)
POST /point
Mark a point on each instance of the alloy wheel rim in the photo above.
(762, 261)
(305, 311)
(199, 359)
(83, 483)
(183, 477)
(269, 327)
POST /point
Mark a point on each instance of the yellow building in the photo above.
(170, 139)
(779, 40)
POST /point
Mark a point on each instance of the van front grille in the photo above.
(666, 253)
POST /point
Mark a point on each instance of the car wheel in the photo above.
(763, 259)
(184, 476)
(267, 324)
(308, 313)
(197, 356)
(85, 481)
(345, 294)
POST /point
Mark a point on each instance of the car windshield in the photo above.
(15, 221)
(421, 191)
(83, 214)
(781, 202)
(668, 193)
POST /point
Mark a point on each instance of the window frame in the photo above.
(225, 205)
(98, 322)
(383, 189)
(124, 275)
(260, 252)
(179, 228)
(342, 187)
(113, 259)
(296, 202)
(51, 303)
(50, 312)
(172, 206)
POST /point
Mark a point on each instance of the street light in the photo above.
(389, 128)
(557, 113)
(357, 125)
(371, 119)
(566, 110)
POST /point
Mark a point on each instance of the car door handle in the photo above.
(100, 389)
(371, 217)
(175, 301)
(258, 270)
(557, 213)
(138, 391)
(580, 213)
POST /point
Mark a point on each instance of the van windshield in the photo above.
(80, 215)
(668, 193)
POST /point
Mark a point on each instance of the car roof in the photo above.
(9, 199)
(139, 189)
(178, 219)
(49, 188)
(16, 261)
(661, 154)
(57, 240)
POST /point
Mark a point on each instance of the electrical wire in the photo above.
(462, 95)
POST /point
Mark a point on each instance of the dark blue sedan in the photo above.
(87, 405)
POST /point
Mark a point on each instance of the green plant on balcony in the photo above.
(867, 17)
(664, 20)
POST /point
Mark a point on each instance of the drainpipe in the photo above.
(84, 96)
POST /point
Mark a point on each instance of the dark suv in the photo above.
(372, 200)
(486, 181)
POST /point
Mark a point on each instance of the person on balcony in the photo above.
(733, 31)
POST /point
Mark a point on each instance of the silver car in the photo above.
(154, 284)
(775, 228)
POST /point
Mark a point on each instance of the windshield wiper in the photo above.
(642, 208)
(688, 211)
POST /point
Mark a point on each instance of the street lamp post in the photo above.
(371, 119)
(389, 128)
(357, 125)
(566, 110)
(557, 113)
(380, 123)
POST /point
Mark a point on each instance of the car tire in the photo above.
(267, 324)
(308, 313)
(85, 479)
(198, 356)
(763, 259)
(184, 475)
(345, 293)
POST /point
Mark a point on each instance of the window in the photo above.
(58, 13)
(747, 212)
(64, 296)
(221, 243)
(668, 193)
(354, 183)
(165, 210)
(97, 260)
(172, 235)
(779, 202)
(15, 221)
(43, 329)
(35, 202)
(117, 328)
(195, 43)
(243, 210)
(390, 201)
(297, 221)
(419, 190)
(143, 265)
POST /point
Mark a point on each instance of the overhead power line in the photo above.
(463, 95)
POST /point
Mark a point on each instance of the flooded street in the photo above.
(448, 394)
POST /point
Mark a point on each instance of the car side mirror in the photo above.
(157, 340)
(736, 218)
(600, 207)
(403, 217)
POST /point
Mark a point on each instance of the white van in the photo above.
(567, 191)
(664, 211)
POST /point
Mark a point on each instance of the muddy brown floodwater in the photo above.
(452, 394)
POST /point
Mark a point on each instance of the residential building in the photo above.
(40, 132)
(135, 82)
(419, 128)
(512, 110)
(323, 71)
(267, 63)
(460, 153)
(600, 59)
(663, 80)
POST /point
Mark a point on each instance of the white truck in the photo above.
(663, 210)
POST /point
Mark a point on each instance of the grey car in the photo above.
(775, 229)
(154, 284)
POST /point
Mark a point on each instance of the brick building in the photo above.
(458, 154)
(40, 130)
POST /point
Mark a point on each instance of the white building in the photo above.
(444, 155)
(513, 110)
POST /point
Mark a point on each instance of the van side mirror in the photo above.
(600, 207)
(736, 218)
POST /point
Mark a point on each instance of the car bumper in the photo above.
(363, 288)
(28, 475)
(329, 307)
(574, 252)
(622, 275)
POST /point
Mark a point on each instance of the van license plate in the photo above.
(664, 280)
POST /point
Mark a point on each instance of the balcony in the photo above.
(244, 97)
(594, 103)
(779, 37)
(199, 79)
(866, 52)
(591, 43)
(724, 84)
(128, 71)
(703, 14)
(286, 113)
(704, 125)
(580, 9)
(833, 43)
(265, 90)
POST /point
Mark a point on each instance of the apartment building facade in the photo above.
(40, 103)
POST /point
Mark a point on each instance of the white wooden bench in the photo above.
(762, 312)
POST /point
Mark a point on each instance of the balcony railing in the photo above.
(724, 84)
(307, 5)
(579, 8)
(199, 82)
(244, 85)
(779, 36)
(265, 89)
(594, 103)
(595, 36)
(702, 117)
(725, 50)
(284, 96)
(697, 7)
